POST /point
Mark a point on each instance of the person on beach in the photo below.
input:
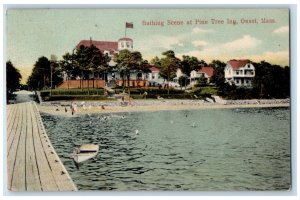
(145, 95)
(66, 110)
(73, 110)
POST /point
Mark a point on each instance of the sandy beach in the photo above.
(63, 107)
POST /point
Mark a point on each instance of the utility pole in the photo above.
(51, 68)
(53, 60)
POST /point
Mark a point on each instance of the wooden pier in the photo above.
(32, 163)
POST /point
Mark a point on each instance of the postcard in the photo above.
(148, 99)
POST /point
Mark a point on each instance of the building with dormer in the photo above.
(239, 72)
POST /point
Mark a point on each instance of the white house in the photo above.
(195, 75)
(207, 72)
(239, 72)
(179, 73)
(153, 77)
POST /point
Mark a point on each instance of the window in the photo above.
(237, 81)
(248, 65)
(153, 77)
(237, 72)
(127, 44)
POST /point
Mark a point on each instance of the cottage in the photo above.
(153, 77)
(239, 72)
(206, 71)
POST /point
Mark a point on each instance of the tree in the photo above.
(218, 78)
(67, 65)
(40, 75)
(156, 61)
(13, 78)
(271, 80)
(189, 64)
(89, 60)
(128, 62)
(202, 80)
(183, 81)
(169, 66)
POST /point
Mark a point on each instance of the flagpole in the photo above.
(125, 30)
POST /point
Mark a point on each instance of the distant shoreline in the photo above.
(89, 107)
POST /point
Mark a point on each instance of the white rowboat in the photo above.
(85, 152)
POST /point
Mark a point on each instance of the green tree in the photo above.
(218, 78)
(40, 75)
(183, 81)
(144, 67)
(13, 78)
(202, 80)
(67, 66)
(156, 61)
(189, 64)
(169, 66)
(128, 62)
(89, 59)
(271, 81)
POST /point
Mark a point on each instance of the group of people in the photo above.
(73, 108)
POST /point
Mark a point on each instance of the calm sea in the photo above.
(194, 150)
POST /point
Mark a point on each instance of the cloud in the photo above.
(283, 29)
(245, 42)
(199, 43)
(238, 49)
(155, 42)
(234, 48)
(274, 57)
(200, 30)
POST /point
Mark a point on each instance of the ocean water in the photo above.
(190, 150)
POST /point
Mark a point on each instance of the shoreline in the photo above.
(151, 105)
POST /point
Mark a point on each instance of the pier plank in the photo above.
(12, 150)
(33, 182)
(12, 130)
(10, 117)
(18, 179)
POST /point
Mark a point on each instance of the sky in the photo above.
(32, 33)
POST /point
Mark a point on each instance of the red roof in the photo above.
(101, 45)
(154, 68)
(236, 64)
(126, 39)
(209, 71)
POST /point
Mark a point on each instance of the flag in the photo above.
(129, 25)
